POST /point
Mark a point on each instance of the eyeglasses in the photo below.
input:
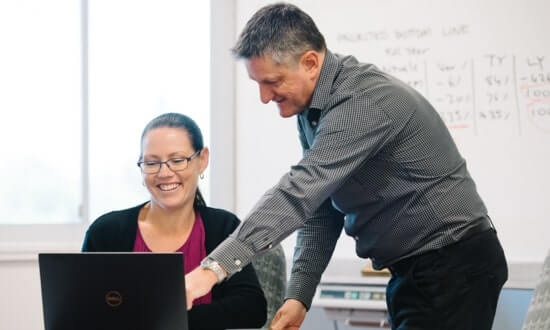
(174, 164)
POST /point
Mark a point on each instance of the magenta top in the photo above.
(194, 250)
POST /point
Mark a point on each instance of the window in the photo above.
(40, 134)
(78, 82)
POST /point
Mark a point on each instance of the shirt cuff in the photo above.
(232, 255)
(301, 287)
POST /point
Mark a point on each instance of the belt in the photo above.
(402, 266)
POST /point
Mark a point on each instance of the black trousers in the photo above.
(455, 287)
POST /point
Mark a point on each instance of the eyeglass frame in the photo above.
(187, 159)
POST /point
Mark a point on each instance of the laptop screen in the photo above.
(91, 291)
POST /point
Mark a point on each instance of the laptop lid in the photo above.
(93, 291)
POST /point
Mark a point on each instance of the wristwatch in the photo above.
(213, 265)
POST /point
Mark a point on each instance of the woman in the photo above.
(176, 218)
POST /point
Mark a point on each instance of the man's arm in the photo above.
(345, 139)
(315, 245)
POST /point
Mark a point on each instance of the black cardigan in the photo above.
(238, 302)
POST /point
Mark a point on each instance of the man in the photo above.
(378, 161)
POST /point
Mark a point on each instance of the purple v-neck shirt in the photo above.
(194, 250)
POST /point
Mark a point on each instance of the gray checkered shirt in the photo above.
(378, 161)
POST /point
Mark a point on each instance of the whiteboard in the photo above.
(484, 65)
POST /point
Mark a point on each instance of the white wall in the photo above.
(222, 101)
(20, 299)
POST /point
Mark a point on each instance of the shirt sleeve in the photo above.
(315, 244)
(314, 247)
(346, 137)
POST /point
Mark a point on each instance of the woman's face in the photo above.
(170, 189)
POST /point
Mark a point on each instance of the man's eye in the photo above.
(150, 163)
(177, 160)
(272, 82)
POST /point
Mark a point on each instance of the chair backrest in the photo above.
(538, 314)
(271, 270)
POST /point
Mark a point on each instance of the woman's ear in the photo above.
(204, 158)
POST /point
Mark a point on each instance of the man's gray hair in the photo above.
(282, 31)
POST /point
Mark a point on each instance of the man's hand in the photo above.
(289, 316)
(198, 283)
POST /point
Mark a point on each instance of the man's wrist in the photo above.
(233, 255)
(215, 268)
(302, 288)
(297, 302)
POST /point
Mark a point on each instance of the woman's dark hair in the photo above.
(178, 120)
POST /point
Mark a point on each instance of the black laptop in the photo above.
(108, 291)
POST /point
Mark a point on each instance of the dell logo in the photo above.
(113, 298)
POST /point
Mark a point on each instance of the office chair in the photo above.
(538, 314)
(271, 271)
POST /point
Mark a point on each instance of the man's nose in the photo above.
(266, 94)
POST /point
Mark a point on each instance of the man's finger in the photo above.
(280, 322)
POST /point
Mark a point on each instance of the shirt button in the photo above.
(270, 246)
(314, 123)
(356, 238)
(237, 262)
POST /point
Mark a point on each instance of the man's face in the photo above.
(291, 86)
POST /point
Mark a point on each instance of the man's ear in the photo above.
(311, 61)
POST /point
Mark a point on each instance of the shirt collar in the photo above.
(321, 94)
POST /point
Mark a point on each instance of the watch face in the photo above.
(215, 267)
(206, 263)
